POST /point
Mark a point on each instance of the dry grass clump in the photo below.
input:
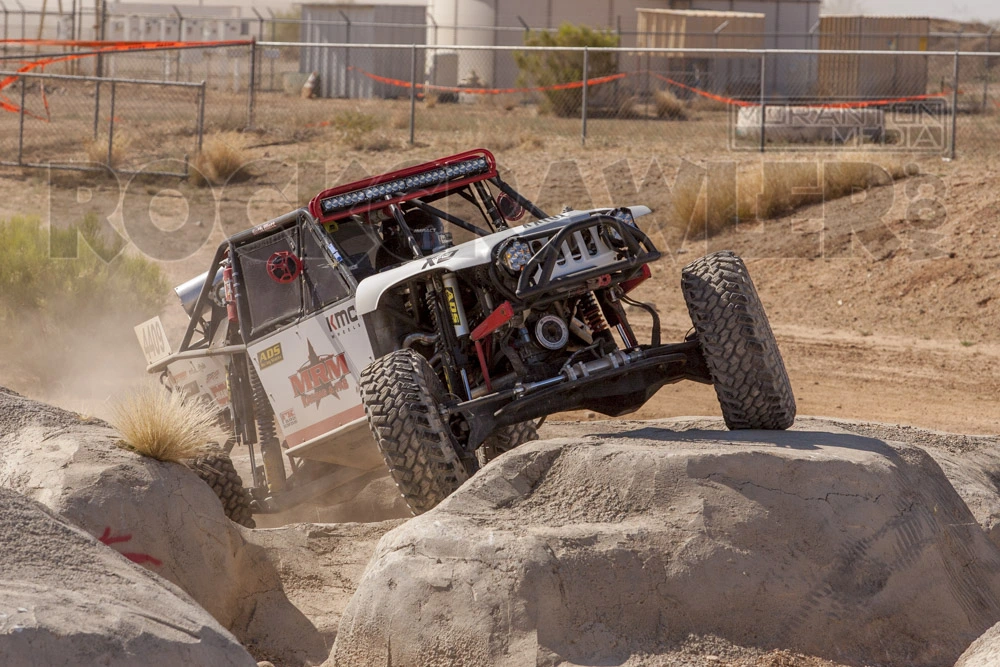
(164, 425)
(220, 161)
(377, 142)
(354, 122)
(773, 189)
(498, 141)
(668, 106)
(699, 103)
(97, 150)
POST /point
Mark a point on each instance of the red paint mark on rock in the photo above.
(109, 539)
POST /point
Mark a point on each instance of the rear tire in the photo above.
(401, 395)
(217, 470)
(737, 342)
(505, 439)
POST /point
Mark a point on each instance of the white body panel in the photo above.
(310, 372)
(469, 254)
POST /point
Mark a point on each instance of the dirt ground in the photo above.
(884, 303)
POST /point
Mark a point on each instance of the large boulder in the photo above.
(159, 515)
(600, 549)
(984, 652)
(69, 600)
(970, 462)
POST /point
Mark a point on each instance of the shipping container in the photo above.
(699, 29)
(872, 76)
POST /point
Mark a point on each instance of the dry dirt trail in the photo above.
(884, 303)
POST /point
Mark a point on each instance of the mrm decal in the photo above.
(321, 376)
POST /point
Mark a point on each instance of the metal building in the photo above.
(858, 76)
(349, 72)
(703, 29)
(788, 24)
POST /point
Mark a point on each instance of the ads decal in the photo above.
(270, 356)
(321, 376)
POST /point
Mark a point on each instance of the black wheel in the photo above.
(401, 395)
(506, 439)
(737, 342)
(218, 471)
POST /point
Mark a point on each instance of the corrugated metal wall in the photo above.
(703, 29)
(333, 65)
(870, 76)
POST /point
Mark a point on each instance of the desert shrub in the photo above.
(35, 279)
(668, 106)
(63, 309)
(548, 68)
(163, 425)
(221, 160)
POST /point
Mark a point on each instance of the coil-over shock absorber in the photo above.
(590, 313)
(267, 434)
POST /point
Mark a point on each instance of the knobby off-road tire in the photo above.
(506, 439)
(401, 395)
(737, 342)
(217, 470)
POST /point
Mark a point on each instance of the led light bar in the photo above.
(404, 186)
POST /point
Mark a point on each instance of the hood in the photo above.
(464, 256)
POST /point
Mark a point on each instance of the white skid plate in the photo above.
(310, 372)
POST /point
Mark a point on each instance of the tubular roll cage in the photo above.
(313, 213)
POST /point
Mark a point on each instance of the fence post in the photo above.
(954, 109)
(4, 27)
(180, 38)
(987, 70)
(201, 115)
(111, 127)
(97, 107)
(347, 57)
(260, 23)
(413, 92)
(253, 79)
(649, 91)
(763, 102)
(586, 85)
(20, 128)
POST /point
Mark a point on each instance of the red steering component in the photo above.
(283, 267)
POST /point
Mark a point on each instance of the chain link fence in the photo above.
(79, 122)
(124, 108)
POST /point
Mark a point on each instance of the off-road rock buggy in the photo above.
(361, 315)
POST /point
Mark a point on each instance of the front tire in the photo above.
(401, 395)
(737, 342)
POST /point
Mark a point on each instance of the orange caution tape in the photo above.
(489, 91)
(101, 47)
(124, 45)
(863, 104)
(704, 93)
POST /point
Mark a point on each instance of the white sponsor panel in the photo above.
(310, 372)
(153, 339)
(203, 378)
